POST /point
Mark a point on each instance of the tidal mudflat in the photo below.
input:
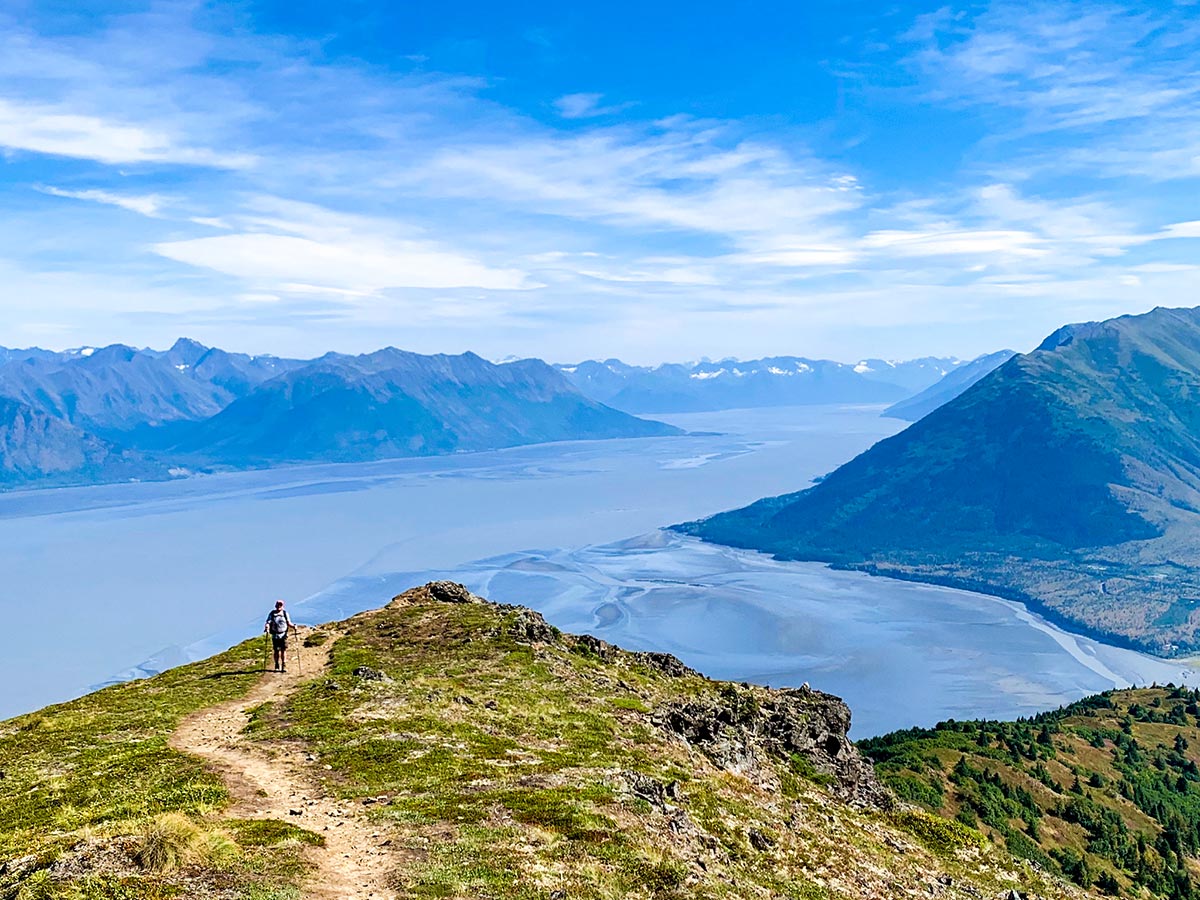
(900, 653)
(98, 579)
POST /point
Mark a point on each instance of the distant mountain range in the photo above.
(114, 389)
(736, 384)
(37, 447)
(957, 380)
(1068, 477)
(393, 403)
(117, 413)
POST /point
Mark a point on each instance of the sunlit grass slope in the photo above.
(495, 758)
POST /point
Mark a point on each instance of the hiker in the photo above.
(278, 625)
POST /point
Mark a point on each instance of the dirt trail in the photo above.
(273, 781)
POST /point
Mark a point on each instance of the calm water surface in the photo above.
(99, 579)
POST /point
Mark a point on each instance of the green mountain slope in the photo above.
(477, 753)
(955, 382)
(1069, 477)
(1105, 791)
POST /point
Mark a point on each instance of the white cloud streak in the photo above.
(587, 106)
(149, 205)
(60, 132)
(301, 248)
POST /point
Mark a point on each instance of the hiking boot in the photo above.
(284, 669)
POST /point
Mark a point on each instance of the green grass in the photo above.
(270, 833)
(497, 770)
(508, 754)
(942, 836)
(100, 767)
(104, 758)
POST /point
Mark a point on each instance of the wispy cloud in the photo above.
(302, 248)
(1127, 73)
(274, 179)
(58, 132)
(587, 106)
(149, 205)
(676, 174)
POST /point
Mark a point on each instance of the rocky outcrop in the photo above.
(530, 627)
(665, 663)
(451, 592)
(659, 662)
(739, 729)
(747, 724)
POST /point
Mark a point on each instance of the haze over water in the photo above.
(99, 579)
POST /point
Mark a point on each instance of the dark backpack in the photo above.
(278, 622)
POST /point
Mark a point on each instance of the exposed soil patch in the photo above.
(276, 781)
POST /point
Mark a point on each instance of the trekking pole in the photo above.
(299, 668)
(267, 653)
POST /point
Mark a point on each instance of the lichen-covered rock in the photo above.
(19, 866)
(111, 857)
(657, 793)
(665, 663)
(366, 673)
(742, 726)
(531, 628)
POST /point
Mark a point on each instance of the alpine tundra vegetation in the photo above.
(472, 751)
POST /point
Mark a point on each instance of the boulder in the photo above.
(366, 673)
(530, 627)
(451, 592)
(665, 663)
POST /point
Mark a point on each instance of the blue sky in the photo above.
(651, 181)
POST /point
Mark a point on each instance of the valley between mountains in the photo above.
(117, 413)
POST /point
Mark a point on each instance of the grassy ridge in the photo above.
(497, 759)
(517, 770)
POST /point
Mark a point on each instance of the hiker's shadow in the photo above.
(227, 674)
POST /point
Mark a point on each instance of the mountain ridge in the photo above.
(150, 413)
(1068, 478)
(954, 383)
(393, 403)
(735, 384)
(473, 751)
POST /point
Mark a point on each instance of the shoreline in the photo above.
(566, 605)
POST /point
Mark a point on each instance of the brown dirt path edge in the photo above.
(275, 782)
